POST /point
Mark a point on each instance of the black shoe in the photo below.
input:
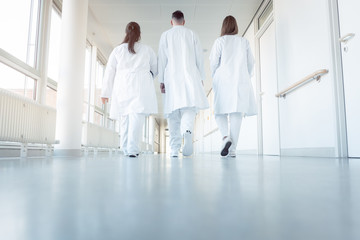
(225, 147)
(133, 156)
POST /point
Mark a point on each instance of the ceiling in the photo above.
(203, 16)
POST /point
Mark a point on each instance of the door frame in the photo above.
(338, 80)
(258, 34)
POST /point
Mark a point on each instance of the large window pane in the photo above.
(98, 117)
(19, 27)
(51, 97)
(87, 83)
(117, 126)
(110, 124)
(85, 112)
(100, 69)
(94, 110)
(54, 45)
(17, 82)
(87, 74)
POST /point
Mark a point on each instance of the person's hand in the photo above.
(104, 100)
(162, 87)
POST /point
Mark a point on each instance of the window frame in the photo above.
(41, 52)
(19, 65)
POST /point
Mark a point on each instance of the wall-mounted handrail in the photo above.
(347, 37)
(314, 76)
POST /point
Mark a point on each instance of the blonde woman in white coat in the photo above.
(231, 63)
(128, 81)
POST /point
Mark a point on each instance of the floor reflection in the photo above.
(201, 197)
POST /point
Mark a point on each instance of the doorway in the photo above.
(350, 49)
(268, 83)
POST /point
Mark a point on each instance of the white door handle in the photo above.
(347, 38)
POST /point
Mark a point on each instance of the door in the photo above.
(269, 103)
(349, 19)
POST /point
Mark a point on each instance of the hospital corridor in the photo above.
(179, 120)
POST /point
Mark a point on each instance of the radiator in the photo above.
(24, 120)
(97, 136)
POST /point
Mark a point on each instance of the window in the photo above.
(54, 45)
(98, 118)
(51, 97)
(17, 82)
(19, 23)
(93, 109)
(54, 55)
(87, 75)
(111, 124)
(100, 70)
(85, 114)
(87, 84)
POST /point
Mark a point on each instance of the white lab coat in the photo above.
(181, 69)
(128, 81)
(232, 63)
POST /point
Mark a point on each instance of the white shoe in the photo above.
(232, 154)
(188, 144)
(225, 146)
(174, 154)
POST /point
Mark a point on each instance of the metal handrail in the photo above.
(314, 76)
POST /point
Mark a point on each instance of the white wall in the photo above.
(307, 116)
(97, 36)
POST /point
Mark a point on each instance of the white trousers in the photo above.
(229, 125)
(131, 127)
(179, 122)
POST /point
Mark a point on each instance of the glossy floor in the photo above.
(202, 197)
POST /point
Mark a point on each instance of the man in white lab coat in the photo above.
(181, 75)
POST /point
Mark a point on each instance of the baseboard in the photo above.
(238, 152)
(247, 152)
(16, 152)
(290, 152)
(9, 153)
(309, 152)
(68, 153)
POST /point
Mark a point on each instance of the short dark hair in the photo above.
(229, 26)
(178, 15)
